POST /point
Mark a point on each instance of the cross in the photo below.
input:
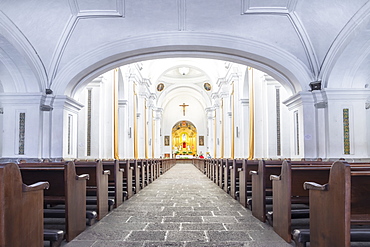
(183, 107)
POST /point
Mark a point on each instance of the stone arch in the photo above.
(284, 67)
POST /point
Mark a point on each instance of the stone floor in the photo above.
(181, 208)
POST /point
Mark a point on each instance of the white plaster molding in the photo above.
(67, 103)
(12, 33)
(20, 98)
(182, 15)
(287, 9)
(123, 102)
(244, 102)
(347, 33)
(68, 31)
(298, 100)
(117, 12)
(347, 94)
(278, 63)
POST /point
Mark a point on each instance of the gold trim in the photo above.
(251, 116)
(115, 113)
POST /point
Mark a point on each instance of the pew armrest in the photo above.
(253, 173)
(275, 177)
(240, 169)
(315, 186)
(83, 177)
(35, 186)
(106, 172)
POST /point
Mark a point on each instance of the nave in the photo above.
(181, 208)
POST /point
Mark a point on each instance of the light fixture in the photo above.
(183, 70)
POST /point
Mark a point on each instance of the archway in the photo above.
(184, 139)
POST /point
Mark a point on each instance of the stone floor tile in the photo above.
(181, 208)
(147, 236)
(225, 236)
(202, 226)
(188, 236)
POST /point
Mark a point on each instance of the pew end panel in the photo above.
(21, 209)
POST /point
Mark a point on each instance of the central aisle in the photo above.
(181, 208)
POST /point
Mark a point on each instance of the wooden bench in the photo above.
(97, 185)
(262, 185)
(66, 187)
(287, 189)
(338, 204)
(245, 180)
(128, 176)
(234, 169)
(21, 209)
(115, 179)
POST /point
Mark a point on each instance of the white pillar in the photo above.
(158, 140)
(210, 111)
(22, 126)
(244, 128)
(303, 125)
(64, 127)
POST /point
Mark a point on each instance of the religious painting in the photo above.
(201, 140)
(207, 86)
(166, 140)
(160, 87)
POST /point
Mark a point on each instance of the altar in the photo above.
(184, 156)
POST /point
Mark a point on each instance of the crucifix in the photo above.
(183, 107)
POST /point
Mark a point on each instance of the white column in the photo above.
(63, 131)
(158, 140)
(13, 105)
(303, 125)
(123, 129)
(353, 100)
(244, 128)
(210, 111)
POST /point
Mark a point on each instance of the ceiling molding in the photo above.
(357, 21)
(286, 8)
(77, 15)
(19, 41)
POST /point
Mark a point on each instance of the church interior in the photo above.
(185, 80)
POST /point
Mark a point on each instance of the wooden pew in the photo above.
(262, 185)
(336, 205)
(220, 168)
(115, 180)
(97, 185)
(245, 180)
(21, 209)
(288, 189)
(135, 175)
(234, 177)
(226, 175)
(66, 187)
(127, 182)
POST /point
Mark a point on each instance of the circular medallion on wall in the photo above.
(160, 87)
(207, 86)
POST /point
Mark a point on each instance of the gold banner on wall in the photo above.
(251, 115)
(115, 113)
